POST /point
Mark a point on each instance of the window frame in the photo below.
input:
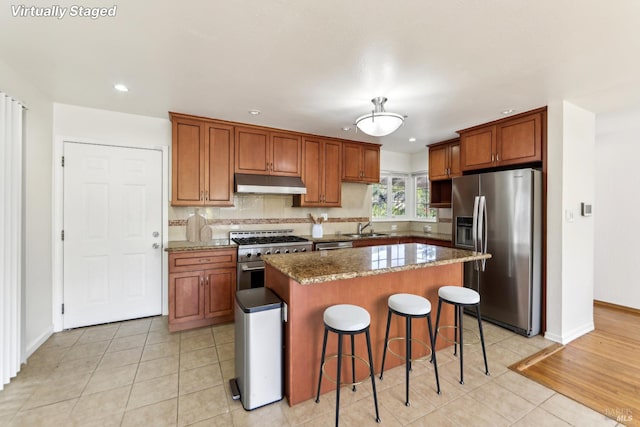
(410, 197)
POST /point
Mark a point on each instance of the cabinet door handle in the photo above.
(201, 282)
(206, 195)
(492, 157)
(497, 157)
(201, 195)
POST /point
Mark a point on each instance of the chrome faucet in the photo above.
(362, 227)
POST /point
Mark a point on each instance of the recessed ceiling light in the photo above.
(509, 111)
(346, 128)
(412, 139)
(120, 87)
(254, 112)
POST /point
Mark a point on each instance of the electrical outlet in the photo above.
(394, 227)
(324, 216)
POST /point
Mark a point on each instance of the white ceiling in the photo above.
(313, 66)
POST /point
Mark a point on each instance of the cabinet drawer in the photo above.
(201, 260)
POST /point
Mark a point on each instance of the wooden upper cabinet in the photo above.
(360, 162)
(321, 168)
(444, 160)
(202, 155)
(513, 141)
(258, 151)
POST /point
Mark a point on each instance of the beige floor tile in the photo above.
(223, 420)
(160, 323)
(159, 414)
(196, 343)
(228, 368)
(109, 420)
(267, 416)
(127, 342)
(80, 351)
(467, 411)
(539, 417)
(120, 358)
(64, 388)
(155, 337)
(393, 400)
(426, 386)
(201, 405)
(309, 412)
(436, 418)
(134, 327)
(501, 400)
(574, 413)
(47, 355)
(108, 379)
(226, 351)
(51, 415)
(195, 359)
(77, 366)
(98, 334)
(195, 332)
(158, 368)
(99, 405)
(200, 378)
(524, 387)
(157, 351)
(224, 334)
(153, 391)
(474, 375)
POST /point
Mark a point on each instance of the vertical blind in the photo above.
(10, 237)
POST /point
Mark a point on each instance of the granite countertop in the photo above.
(384, 235)
(318, 267)
(184, 245)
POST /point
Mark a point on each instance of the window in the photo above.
(402, 196)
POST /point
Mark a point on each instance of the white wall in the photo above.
(37, 207)
(616, 208)
(570, 242)
(404, 162)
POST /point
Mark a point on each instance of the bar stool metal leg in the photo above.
(484, 352)
(353, 363)
(408, 358)
(373, 381)
(324, 349)
(433, 352)
(459, 315)
(386, 339)
(435, 337)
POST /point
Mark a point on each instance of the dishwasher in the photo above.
(328, 246)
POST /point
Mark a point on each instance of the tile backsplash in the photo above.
(274, 211)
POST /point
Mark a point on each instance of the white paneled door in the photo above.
(112, 233)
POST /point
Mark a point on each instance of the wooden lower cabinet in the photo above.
(361, 243)
(201, 288)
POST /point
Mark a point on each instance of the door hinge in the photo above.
(62, 308)
(62, 235)
(62, 161)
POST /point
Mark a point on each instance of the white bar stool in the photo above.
(410, 307)
(461, 297)
(347, 319)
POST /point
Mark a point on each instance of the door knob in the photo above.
(155, 246)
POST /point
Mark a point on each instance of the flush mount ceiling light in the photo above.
(254, 112)
(379, 122)
(120, 87)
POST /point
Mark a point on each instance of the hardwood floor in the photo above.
(599, 369)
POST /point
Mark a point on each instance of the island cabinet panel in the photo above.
(378, 241)
(360, 162)
(513, 141)
(306, 304)
(259, 151)
(202, 162)
(201, 288)
(321, 164)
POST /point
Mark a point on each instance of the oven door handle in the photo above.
(245, 268)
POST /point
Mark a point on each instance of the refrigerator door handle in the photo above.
(474, 229)
(482, 229)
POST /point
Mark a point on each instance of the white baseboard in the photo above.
(32, 347)
(566, 338)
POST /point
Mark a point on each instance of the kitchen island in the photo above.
(310, 282)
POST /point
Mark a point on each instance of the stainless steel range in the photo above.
(253, 244)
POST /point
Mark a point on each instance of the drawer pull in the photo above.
(205, 260)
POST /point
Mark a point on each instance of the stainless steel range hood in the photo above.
(267, 184)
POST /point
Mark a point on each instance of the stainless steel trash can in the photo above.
(258, 345)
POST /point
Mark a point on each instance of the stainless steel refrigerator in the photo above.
(500, 213)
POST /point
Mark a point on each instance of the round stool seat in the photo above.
(410, 304)
(346, 317)
(459, 295)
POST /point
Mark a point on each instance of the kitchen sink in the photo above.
(365, 234)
